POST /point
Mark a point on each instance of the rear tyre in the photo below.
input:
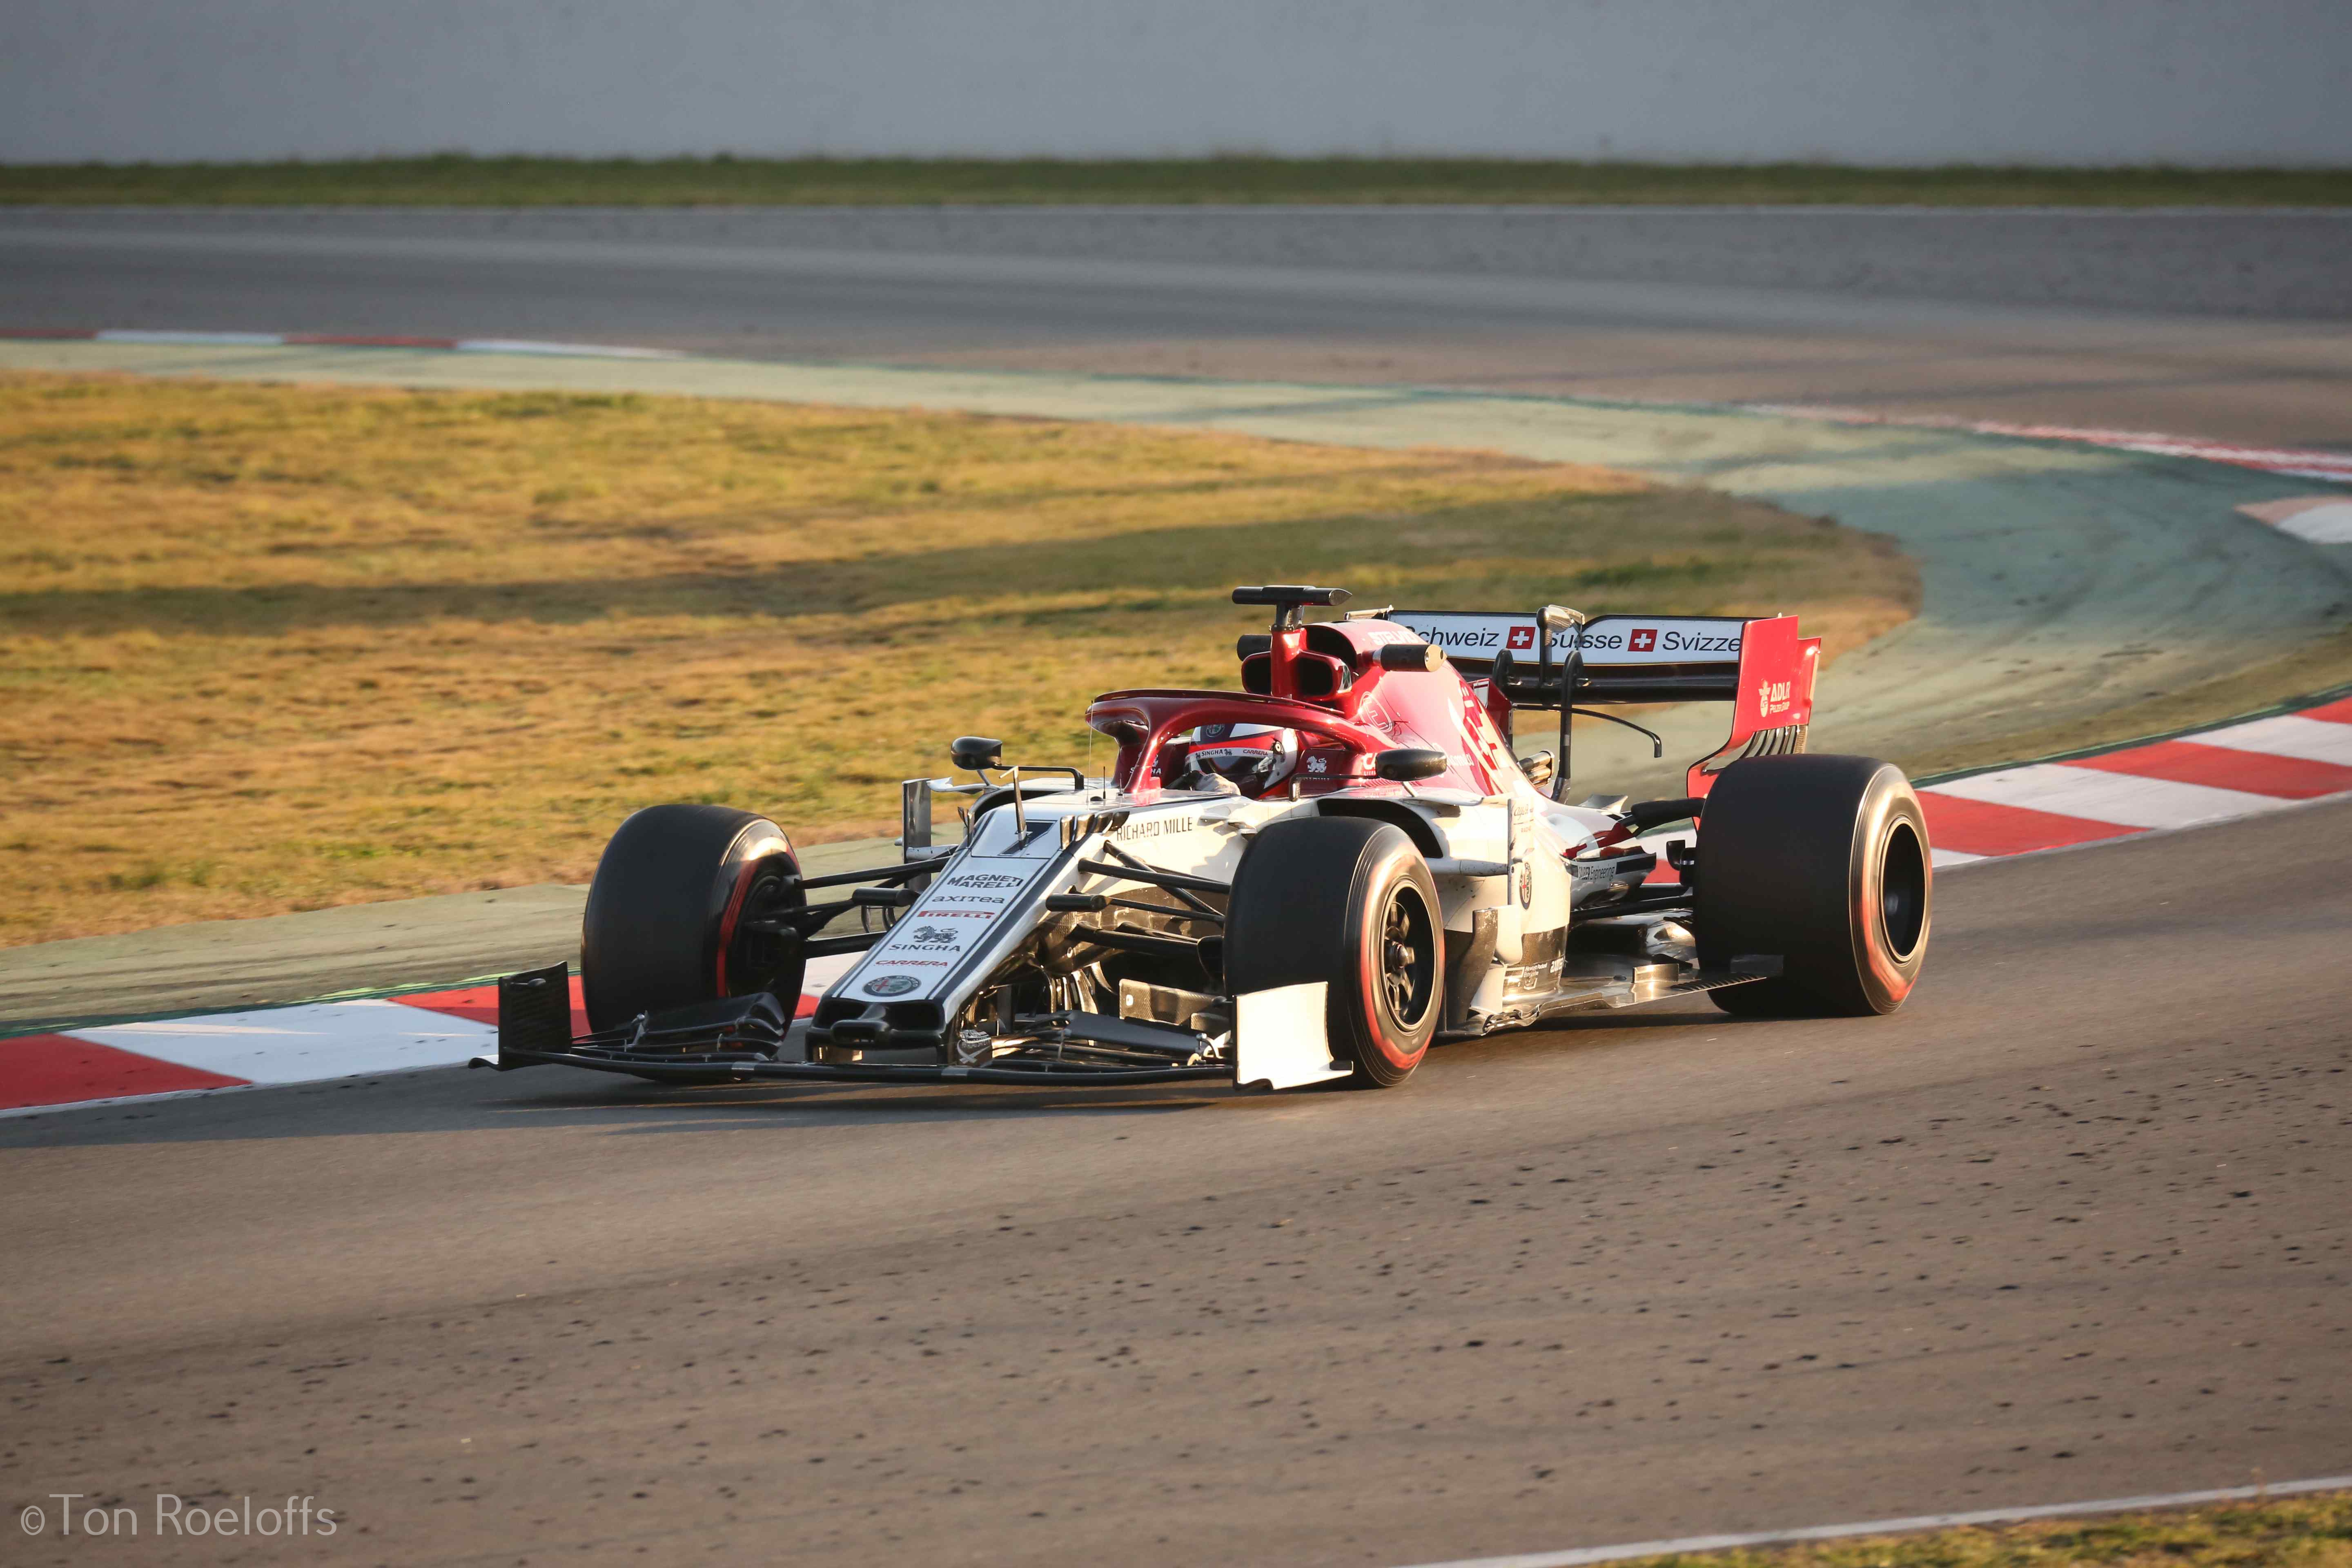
(1822, 861)
(664, 921)
(1350, 902)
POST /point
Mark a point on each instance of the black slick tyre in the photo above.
(664, 925)
(1349, 901)
(1821, 862)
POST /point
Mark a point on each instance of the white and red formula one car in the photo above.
(1309, 879)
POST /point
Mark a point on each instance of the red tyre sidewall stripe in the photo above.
(1367, 975)
(744, 877)
(727, 922)
(1869, 915)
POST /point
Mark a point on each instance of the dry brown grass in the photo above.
(272, 648)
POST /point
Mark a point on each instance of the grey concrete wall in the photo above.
(1879, 81)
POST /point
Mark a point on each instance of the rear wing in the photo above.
(1762, 667)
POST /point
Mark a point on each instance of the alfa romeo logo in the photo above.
(891, 985)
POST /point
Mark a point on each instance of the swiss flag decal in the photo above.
(1642, 641)
(1522, 637)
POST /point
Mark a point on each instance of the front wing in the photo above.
(746, 1040)
(743, 1038)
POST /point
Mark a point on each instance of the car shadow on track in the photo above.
(870, 1102)
(452, 1099)
(877, 1103)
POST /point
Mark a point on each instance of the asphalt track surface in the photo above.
(2235, 325)
(2071, 1225)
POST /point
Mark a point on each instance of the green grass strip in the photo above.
(2260, 1532)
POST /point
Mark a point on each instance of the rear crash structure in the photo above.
(1308, 880)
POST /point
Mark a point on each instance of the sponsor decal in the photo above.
(1469, 633)
(952, 919)
(1526, 886)
(1661, 642)
(1318, 765)
(1486, 740)
(1163, 824)
(1771, 696)
(1477, 635)
(891, 985)
(1666, 644)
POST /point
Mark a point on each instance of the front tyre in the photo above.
(1350, 902)
(664, 926)
(1822, 861)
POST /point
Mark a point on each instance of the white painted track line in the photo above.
(2328, 524)
(201, 340)
(559, 350)
(304, 1044)
(2124, 799)
(1582, 1554)
(2287, 735)
(824, 971)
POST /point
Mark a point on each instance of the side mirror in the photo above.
(1557, 618)
(975, 752)
(1648, 814)
(1407, 763)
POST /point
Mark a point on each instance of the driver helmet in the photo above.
(1251, 758)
